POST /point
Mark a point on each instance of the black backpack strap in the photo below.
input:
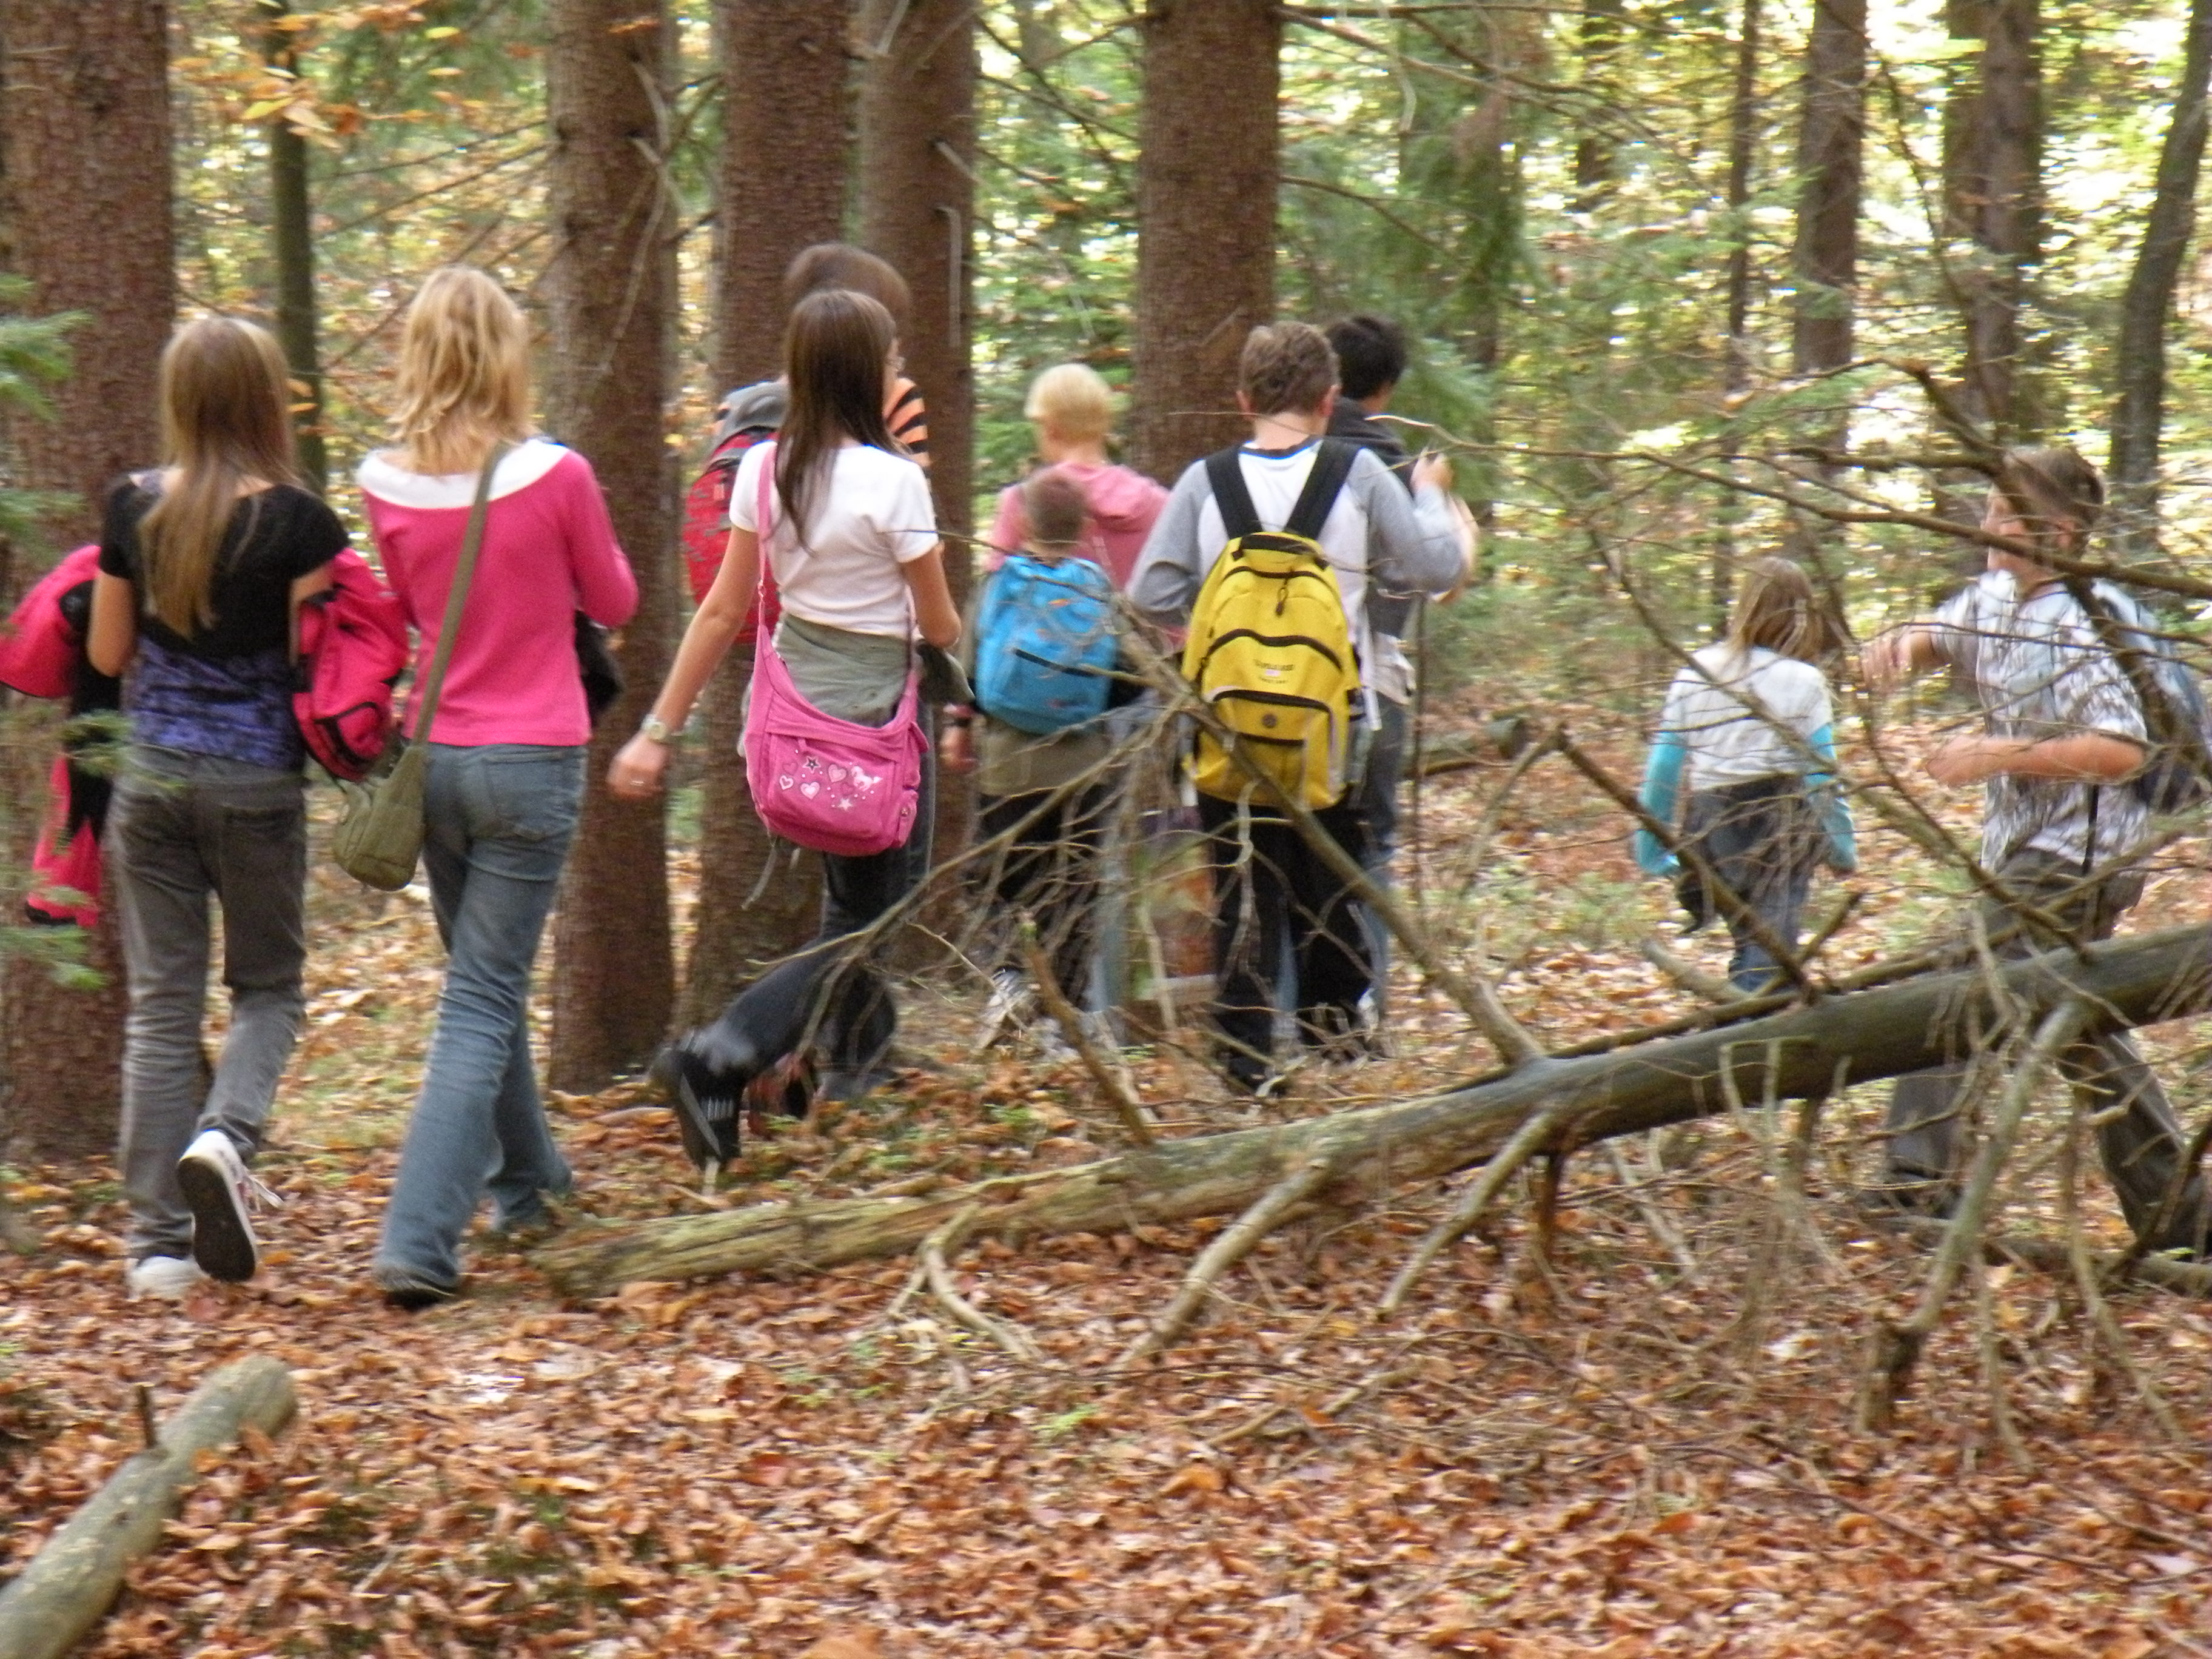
(1332, 466)
(1224, 471)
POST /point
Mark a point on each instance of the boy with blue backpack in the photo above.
(2073, 771)
(1045, 658)
(1271, 551)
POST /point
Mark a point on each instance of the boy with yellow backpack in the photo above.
(1266, 552)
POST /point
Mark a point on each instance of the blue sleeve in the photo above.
(1663, 786)
(1835, 811)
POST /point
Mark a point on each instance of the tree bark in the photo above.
(1601, 27)
(2147, 308)
(86, 106)
(918, 210)
(292, 239)
(611, 285)
(73, 1579)
(1207, 168)
(1743, 145)
(786, 78)
(1993, 189)
(1840, 1041)
(1830, 144)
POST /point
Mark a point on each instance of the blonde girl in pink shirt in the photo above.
(507, 750)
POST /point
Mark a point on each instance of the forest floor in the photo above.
(1629, 1450)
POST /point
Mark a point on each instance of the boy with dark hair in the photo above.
(1370, 354)
(2064, 736)
(1270, 888)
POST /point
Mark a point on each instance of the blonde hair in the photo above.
(1775, 609)
(1073, 400)
(464, 379)
(226, 400)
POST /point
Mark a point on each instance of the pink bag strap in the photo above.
(763, 496)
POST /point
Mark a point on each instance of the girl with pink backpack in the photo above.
(836, 755)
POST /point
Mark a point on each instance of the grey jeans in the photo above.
(184, 828)
(2139, 1138)
(499, 817)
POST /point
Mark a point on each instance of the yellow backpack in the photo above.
(1270, 650)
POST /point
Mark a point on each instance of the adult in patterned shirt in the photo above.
(2063, 732)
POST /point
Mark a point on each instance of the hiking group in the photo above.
(1289, 568)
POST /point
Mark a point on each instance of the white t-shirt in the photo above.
(870, 515)
(1728, 743)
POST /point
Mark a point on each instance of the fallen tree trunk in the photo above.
(1838, 1042)
(71, 1582)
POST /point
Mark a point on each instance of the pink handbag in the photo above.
(832, 784)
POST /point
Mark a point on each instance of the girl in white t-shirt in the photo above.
(854, 549)
(1751, 719)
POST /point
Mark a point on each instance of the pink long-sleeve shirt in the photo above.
(549, 551)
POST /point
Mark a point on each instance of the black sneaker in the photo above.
(411, 1292)
(705, 1102)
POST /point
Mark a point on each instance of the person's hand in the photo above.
(1433, 469)
(638, 766)
(956, 750)
(1963, 760)
(1887, 658)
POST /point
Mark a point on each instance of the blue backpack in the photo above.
(1046, 644)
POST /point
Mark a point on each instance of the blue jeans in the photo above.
(1763, 839)
(499, 819)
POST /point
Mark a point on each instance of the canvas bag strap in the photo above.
(1224, 472)
(1332, 466)
(457, 595)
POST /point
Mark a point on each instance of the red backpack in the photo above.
(748, 416)
(352, 645)
(39, 647)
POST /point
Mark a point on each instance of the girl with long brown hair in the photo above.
(1749, 719)
(204, 562)
(852, 539)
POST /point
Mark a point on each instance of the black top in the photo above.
(1349, 420)
(275, 537)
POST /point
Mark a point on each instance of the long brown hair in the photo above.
(225, 423)
(464, 379)
(834, 354)
(1775, 609)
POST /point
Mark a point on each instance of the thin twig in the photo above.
(1110, 1083)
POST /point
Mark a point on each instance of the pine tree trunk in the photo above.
(611, 285)
(2148, 306)
(786, 76)
(1993, 180)
(1208, 166)
(293, 240)
(1602, 28)
(1743, 145)
(918, 210)
(1830, 141)
(86, 109)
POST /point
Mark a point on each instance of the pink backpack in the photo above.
(832, 784)
(352, 645)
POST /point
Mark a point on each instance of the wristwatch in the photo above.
(655, 730)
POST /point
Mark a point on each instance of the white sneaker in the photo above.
(222, 1193)
(1007, 1010)
(171, 1277)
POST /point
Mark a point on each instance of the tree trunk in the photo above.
(2139, 363)
(1993, 191)
(86, 108)
(1843, 1040)
(1830, 144)
(1206, 172)
(1743, 145)
(918, 210)
(293, 237)
(611, 285)
(1602, 30)
(785, 97)
(73, 1579)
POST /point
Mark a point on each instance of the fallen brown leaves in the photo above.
(1587, 1457)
